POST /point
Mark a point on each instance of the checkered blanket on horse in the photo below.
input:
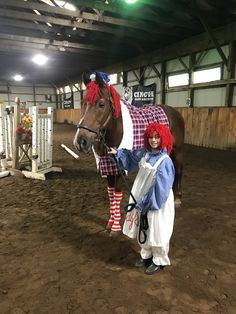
(141, 118)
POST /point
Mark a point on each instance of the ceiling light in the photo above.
(130, 1)
(40, 59)
(18, 77)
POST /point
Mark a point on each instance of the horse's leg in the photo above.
(177, 158)
(112, 202)
(116, 227)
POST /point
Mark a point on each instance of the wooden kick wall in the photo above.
(207, 127)
(71, 116)
(210, 127)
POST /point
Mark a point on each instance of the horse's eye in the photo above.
(101, 104)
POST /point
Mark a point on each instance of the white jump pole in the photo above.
(50, 134)
(5, 149)
(69, 151)
(4, 173)
(3, 162)
(2, 130)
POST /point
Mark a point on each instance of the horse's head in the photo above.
(100, 106)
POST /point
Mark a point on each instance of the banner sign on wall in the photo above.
(143, 95)
(127, 93)
(68, 102)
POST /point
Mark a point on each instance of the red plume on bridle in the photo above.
(93, 92)
(164, 133)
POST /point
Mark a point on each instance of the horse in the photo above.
(101, 126)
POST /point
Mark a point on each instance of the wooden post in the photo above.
(125, 78)
(230, 75)
(191, 69)
(163, 82)
(141, 75)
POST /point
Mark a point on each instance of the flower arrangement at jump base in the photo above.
(24, 130)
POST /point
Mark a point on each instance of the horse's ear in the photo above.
(86, 77)
(99, 80)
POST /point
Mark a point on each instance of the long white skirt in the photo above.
(161, 223)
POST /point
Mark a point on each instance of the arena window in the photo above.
(83, 87)
(67, 89)
(178, 80)
(206, 75)
(113, 78)
(75, 87)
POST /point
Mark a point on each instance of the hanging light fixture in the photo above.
(130, 1)
(18, 77)
(40, 59)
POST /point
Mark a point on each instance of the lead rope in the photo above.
(143, 227)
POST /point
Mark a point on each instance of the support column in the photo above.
(230, 75)
(163, 82)
(191, 90)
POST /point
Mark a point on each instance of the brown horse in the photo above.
(101, 127)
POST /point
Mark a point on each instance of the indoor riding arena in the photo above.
(57, 257)
(56, 254)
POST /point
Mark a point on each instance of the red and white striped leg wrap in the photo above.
(111, 195)
(117, 216)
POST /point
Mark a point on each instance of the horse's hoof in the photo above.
(178, 203)
(114, 233)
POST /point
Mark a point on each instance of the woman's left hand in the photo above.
(112, 151)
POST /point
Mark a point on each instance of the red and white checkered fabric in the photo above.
(108, 166)
(141, 118)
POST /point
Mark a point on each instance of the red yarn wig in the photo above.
(93, 92)
(163, 132)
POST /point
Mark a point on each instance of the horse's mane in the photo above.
(93, 93)
(116, 101)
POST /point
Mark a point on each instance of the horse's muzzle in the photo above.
(83, 142)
